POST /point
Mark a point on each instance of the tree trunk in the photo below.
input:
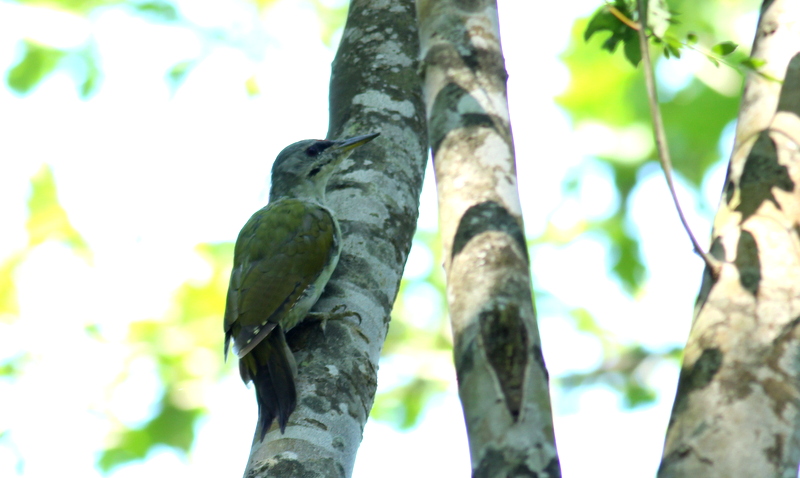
(736, 409)
(374, 88)
(501, 373)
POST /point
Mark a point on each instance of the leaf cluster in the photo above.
(620, 18)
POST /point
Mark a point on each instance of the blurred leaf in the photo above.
(172, 427)
(37, 62)
(47, 220)
(12, 367)
(670, 49)
(251, 86)
(264, 4)
(157, 11)
(691, 38)
(332, 19)
(753, 63)
(616, 96)
(628, 265)
(636, 394)
(9, 306)
(694, 119)
(659, 17)
(724, 48)
(81, 7)
(402, 406)
(90, 81)
(177, 74)
(186, 346)
(625, 253)
(585, 322)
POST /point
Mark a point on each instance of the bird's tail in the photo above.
(271, 367)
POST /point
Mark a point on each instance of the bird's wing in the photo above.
(280, 252)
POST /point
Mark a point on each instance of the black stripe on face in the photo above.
(318, 147)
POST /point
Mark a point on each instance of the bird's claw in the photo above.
(334, 314)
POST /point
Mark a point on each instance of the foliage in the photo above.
(621, 19)
(39, 60)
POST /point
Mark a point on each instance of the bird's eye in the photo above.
(318, 147)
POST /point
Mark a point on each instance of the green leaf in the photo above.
(633, 51)
(157, 11)
(37, 63)
(601, 20)
(172, 427)
(676, 52)
(691, 39)
(637, 394)
(724, 48)
(753, 63)
(403, 405)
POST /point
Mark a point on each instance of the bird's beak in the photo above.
(354, 142)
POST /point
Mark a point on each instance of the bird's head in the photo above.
(303, 168)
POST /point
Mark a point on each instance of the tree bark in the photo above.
(503, 383)
(736, 409)
(374, 88)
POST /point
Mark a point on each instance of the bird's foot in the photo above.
(335, 314)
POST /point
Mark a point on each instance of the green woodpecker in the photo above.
(283, 259)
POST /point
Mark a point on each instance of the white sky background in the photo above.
(145, 176)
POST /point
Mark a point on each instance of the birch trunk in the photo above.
(736, 409)
(374, 88)
(501, 373)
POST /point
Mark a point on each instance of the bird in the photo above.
(283, 258)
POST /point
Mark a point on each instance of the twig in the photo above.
(661, 138)
(621, 17)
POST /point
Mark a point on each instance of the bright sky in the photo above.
(145, 176)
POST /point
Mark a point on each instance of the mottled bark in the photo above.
(736, 409)
(501, 374)
(375, 194)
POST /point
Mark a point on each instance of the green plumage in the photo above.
(283, 258)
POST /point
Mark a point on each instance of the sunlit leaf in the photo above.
(47, 219)
(36, 64)
(724, 48)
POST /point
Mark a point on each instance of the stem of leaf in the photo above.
(661, 137)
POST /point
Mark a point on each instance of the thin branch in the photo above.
(624, 19)
(661, 138)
